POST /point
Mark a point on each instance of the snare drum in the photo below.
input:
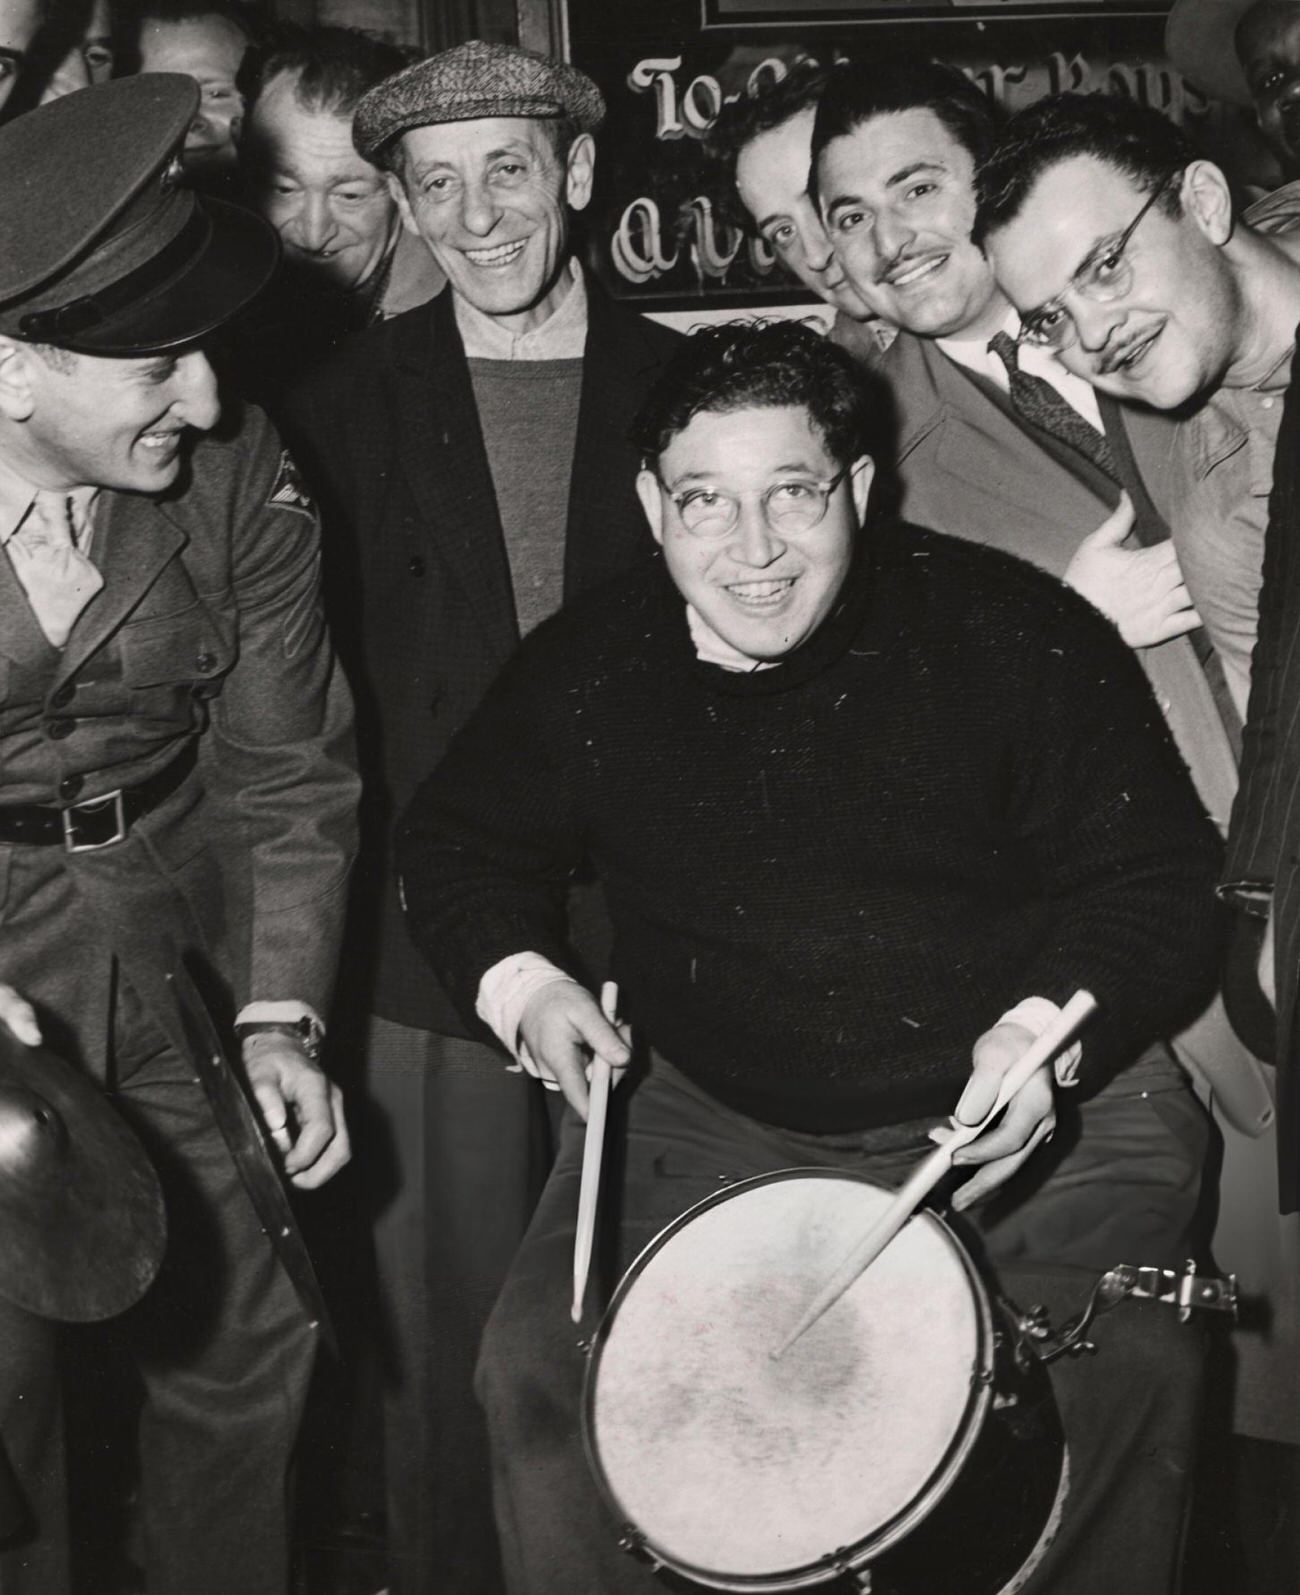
(893, 1441)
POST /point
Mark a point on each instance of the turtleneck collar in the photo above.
(735, 673)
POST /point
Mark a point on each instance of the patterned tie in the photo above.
(58, 579)
(1037, 401)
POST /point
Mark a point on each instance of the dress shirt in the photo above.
(1221, 474)
(974, 355)
(562, 336)
(17, 496)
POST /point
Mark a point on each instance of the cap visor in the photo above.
(237, 262)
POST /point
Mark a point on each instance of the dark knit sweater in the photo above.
(828, 878)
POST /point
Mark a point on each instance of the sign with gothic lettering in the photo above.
(659, 231)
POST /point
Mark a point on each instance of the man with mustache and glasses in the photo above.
(1119, 246)
(1000, 443)
(473, 464)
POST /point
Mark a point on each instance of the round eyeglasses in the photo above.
(1106, 275)
(790, 508)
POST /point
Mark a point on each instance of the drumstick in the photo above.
(932, 1169)
(592, 1147)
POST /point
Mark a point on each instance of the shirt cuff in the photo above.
(504, 992)
(1035, 1014)
(277, 1013)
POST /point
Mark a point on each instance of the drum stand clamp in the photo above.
(1188, 1291)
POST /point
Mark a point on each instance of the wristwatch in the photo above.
(309, 1033)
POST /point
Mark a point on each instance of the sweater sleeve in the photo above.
(490, 843)
(1119, 841)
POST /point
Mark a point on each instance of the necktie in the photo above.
(1037, 401)
(58, 579)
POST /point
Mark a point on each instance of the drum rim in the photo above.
(871, 1546)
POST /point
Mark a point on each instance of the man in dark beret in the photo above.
(177, 796)
(474, 471)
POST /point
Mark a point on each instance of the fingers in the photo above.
(271, 1106)
(1031, 1107)
(301, 1110)
(992, 1055)
(1176, 624)
(1116, 527)
(992, 1175)
(561, 1030)
(20, 1016)
(335, 1154)
(309, 1092)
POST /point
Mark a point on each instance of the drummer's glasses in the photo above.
(1106, 275)
(790, 508)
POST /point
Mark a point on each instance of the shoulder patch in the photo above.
(289, 491)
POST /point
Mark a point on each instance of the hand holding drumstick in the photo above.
(1003, 1077)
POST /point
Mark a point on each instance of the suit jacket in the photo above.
(1264, 845)
(209, 631)
(419, 580)
(969, 467)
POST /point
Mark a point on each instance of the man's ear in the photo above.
(17, 397)
(861, 475)
(580, 171)
(1207, 199)
(398, 192)
(647, 490)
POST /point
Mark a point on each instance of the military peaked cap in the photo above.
(102, 248)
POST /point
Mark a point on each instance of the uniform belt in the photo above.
(100, 821)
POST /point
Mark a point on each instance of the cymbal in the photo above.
(82, 1228)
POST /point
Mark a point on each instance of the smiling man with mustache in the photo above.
(1119, 246)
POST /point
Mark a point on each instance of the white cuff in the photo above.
(287, 1013)
(1035, 1014)
(504, 993)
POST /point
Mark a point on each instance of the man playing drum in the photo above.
(869, 804)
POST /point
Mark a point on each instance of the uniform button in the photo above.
(416, 565)
(205, 662)
(58, 729)
(1267, 403)
(63, 697)
(71, 785)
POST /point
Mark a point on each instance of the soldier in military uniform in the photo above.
(177, 794)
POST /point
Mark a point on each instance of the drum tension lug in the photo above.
(840, 1561)
(632, 1541)
(584, 1346)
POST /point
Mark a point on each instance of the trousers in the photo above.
(455, 1155)
(223, 1353)
(1119, 1183)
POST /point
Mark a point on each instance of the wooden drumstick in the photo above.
(592, 1149)
(932, 1169)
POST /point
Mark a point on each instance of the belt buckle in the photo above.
(95, 806)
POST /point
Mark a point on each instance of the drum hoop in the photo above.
(884, 1536)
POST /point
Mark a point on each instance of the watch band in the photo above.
(309, 1033)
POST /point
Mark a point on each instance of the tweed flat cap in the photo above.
(102, 249)
(471, 82)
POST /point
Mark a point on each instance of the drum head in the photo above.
(748, 1473)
